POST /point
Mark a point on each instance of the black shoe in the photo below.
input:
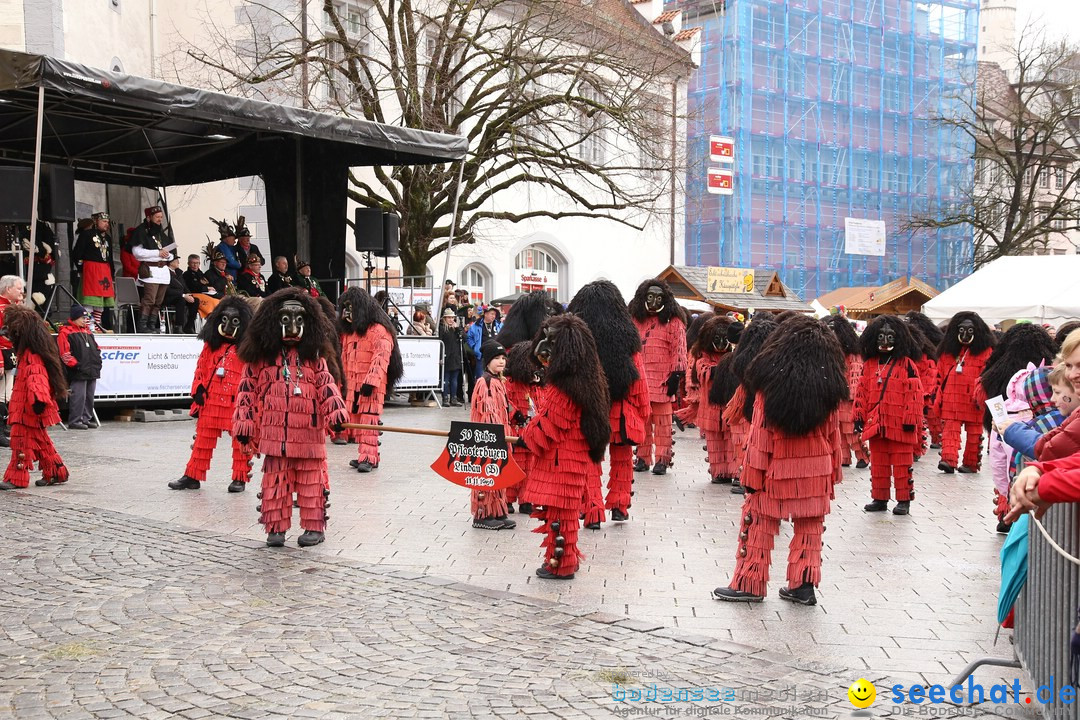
(93, 424)
(456, 403)
(275, 540)
(876, 506)
(902, 508)
(509, 508)
(732, 595)
(525, 508)
(966, 470)
(847, 464)
(803, 595)
(237, 486)
(78, 426)
(364, 466)
(736, 487)
(507, 523)
(935, 446)
(679, 424)
(340, 441)
(353, 463)
(487, 523)
(862, 465)
(43, 482)
(5, 441)
(185, 483)
(618, 515)
(5, 485)
(945, 467)
(592, 526)
(721, 480)
(309, 538)
(546, 574)
(1003, 527)
(659, 468)
(640, 465)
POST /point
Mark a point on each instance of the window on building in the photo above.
(476, 279)
(1044, 178)
(537, 269)
(1059, 178)
(592, 148)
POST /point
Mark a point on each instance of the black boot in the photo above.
(619, 516)
(275, 540)
(876, 506)
(143, 324)
(659, 468)
(640, 465)
(525, 508)
(309, 538)
(945, 467)
(803, 595)
(237, 486)
(185, 483)
(902, 508)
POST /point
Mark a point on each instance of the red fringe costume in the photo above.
(928, 377)
(663, 352)
(489, 405)
(737, 427)
(30, 440)
(215, 415)
(958, 408)
(559, 474)
(786, 478)
(518, 394)
(365, 359)
(890, 397)
(290, 430)
(852, 443)
(628, 419)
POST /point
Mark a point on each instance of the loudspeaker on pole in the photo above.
(368, 230)
(391, 235)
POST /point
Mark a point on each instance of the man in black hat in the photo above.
(450, 334)
(148, 244)
(218, 273)
(305, 281)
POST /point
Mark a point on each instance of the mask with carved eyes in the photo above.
(720, 341)
(965, 332)
(229, 325)
(292, 317)
(544, 347)
(654, 299)
(347, 311)
(886, 339)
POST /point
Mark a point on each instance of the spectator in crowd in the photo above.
(450, 334)
(184, 305)
(218, 274)
(419, 324)
(251, 282)
(195, 280)
(227, 247)
(148, 246)
(82, 360)
(244, 248)
(305, 281)
(280, 277)
(12, 292)
(484, 329)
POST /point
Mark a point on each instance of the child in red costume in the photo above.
(490, 405)
(711, 346)
(522, 384)
(660, 324)
(601, 306)
(888, 411)
(849, 343)
(962, 355)
(792, 459)
(567, 438)
(39, 383)
(372, 364)
(213, 393)
(287, 403)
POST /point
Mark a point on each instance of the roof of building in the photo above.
(684, 35)
(770, 293)
(861, 300)
(668, 16)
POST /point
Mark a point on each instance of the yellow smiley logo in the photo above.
(862, 693)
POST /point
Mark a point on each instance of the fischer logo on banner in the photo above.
(721, 182)
(721, 149)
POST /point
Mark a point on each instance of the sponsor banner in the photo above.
(730, 280)
(720, 182)
(147, 365)
(864, 237)
(422, 358)
(721, 149)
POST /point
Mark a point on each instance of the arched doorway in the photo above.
(476, 278)
(538, 267)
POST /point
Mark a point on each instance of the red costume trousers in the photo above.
(594, 496)
(488, 504)
(754, 556)
(370, 410)
(890, 464)
(568, 530)
(202, 451)
(658, 431)
(852, 444)
(521, 456)
(724, 458)
(934, 424)
(29, 445)
(620, 477)
(283, 476)
(950, 442)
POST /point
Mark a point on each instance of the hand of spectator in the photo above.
(189, 298)
(38, 407)
(1003, 426)
(1024, 495)
(366, 390)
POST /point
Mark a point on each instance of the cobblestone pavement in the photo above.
(910, 598)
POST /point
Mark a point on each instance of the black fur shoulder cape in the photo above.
(367, 311)
(262, 341)
(950, 344)
(521, 364)
(693, 329)
(932, 332)
(905, 343)
(600, 305)
(525, 316)
(671, 308)
(724, 383)
(575, 370)
(802, 375)
(209, 333)
(753, 338)
(845, 334)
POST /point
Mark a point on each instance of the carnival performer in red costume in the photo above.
(601, 306)
(660, 324)
(567, 438)
(798, 381)
(39, 383)
(287, 403)
(722, 386)
(213, 394)
(522, 380)
(927, 366)
(490, 405)
(711, 346)
(962, 356)
(372, 364)
(849, 343)
(930, 380)
(888, 411)
(739, 409)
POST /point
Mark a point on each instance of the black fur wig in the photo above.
(365, 312)
(29, 332)
(753, 338)
(333, 361)
(521, 364)
(905, 343)
(1023, 343)
(845, 334)
(950, 344)
(262, 341)
(671, 308)
(525, 316)
(693, 329)
(926, 347)
(575, 370)
(716, 323)
(802, 374)
(932, 332)
(209, 333)
(1064, 330)
(601, 306)
(723, 384)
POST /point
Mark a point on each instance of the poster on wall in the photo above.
(864, 237)
(145, 366)
(421, 357)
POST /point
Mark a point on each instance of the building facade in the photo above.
(830, 104)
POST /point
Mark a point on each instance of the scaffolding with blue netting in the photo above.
(832, 105)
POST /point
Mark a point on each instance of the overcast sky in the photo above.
(1060, 16)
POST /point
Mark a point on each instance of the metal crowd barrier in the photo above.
(1046, 609)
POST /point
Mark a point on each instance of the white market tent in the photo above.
(1040, 288)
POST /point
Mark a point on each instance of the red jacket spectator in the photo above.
(1061, 442)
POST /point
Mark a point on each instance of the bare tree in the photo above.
(571, 97)
(1023, 192)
